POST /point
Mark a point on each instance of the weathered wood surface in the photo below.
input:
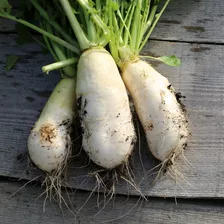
(190, 21)
(22, 209)
(24, 90)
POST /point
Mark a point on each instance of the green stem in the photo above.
(112, 43)
(91, 30)
(48, 43)
(144, 21)
(121, 15)
(127, 35)
(135, 26)
(58, 51)
(151, 18)
(68, 71)
(77, 29)
(149, 57)
(36, 28)
(153, 25)
(124, 29)
(98, 6)
(59, 65)
(95, 16)
(56, 26)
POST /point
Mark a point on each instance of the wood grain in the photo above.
(22, 208)
(188, 21)
(24, 91)
(192, 21)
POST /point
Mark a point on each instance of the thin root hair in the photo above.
(105, 185)
(86, 164)
(139, 146)
(84, 204)
(186, 161)
(28, 182)
(108, 182)
(169, 166)
(53, 183)
(149, 172)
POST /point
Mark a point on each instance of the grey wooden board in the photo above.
(24, 90)
(23, 208)
(185, 20)
(7, 25)
(192, 21)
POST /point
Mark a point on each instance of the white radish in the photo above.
(161, 115)
(108, 134)
(103, 107)
(49, 143)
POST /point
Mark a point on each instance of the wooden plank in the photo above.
(8, 25)
(190, 21)
(23, 208)
(24, 90)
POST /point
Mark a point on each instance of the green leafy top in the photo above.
(132, 26)
(72, 26)
(68, 27)
(130, 23)
(88, 27)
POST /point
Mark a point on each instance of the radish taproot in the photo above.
(103, 106)
(161, 115)
(106, 120)
(49, 142)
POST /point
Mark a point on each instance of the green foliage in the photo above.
(5, 6)
(170, 60)
(10, 62)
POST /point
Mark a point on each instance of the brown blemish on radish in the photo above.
(48, 133)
